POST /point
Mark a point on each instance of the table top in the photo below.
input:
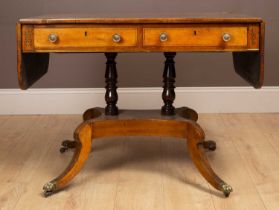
(212, 32)
(142, 18)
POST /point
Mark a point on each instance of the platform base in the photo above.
(97, 124)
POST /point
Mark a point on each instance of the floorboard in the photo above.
(140, 172)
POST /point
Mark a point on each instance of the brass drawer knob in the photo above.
(226, 37)
(52, 38)
(116, 38)
(163, 37)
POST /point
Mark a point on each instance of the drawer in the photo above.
(63, 38)
(196, 36)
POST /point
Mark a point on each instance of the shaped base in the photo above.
(139, 123)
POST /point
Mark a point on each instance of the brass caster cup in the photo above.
(49, 189)
(226, 189)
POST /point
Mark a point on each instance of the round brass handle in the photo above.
(226, 37)
(52, 38)
(163, 37)
(116, 38)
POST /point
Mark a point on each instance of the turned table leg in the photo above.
(111, 96)
(168, 94)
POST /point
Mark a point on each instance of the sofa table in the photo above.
(40, 36)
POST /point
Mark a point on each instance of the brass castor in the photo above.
(66, 145)
(49, 189)
(227, 189)
(210, 145)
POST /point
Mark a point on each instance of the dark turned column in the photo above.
(111, 96)
(168, 95)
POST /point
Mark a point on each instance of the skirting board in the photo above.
(202, 99)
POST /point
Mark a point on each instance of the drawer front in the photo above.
(59, 38)
(196, 36)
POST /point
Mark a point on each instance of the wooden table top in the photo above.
(212, 32)
(142, 18)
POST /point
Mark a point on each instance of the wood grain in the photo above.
(121, 18)
(259, 157)
(250, 65)
(76, 37)
(192, 35)
(30, 66)
(253, 36)
(140, 37)
(137, 123)
(138, 172)
(196, 36)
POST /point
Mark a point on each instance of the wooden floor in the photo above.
(143, 173)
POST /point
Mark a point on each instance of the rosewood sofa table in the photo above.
(40, 36)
